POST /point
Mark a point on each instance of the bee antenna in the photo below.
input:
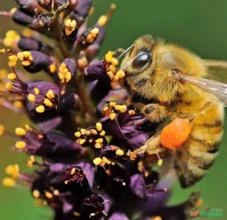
(125, 51)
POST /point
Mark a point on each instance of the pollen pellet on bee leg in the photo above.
(176, 133)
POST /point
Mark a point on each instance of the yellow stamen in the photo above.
(31, 97)
(11, 76)
(50, 94)
(112, 116)
(48, 103)
(40, 109)
(53, 68)
(36, 91)
(36, 194)
(99, 126)
(102, 133)
(102, 20)
(160, 162)
(25, 57)
(48, 195)
(20, 131)
(8, 182)
(97, 161)
(18, 104)
(77, 134)
(119, 152)
(20, 145)
(9, 86)
(2, 129)
(12, 60)
(3, 74)
(31, 161)
(70, 26)
(11, 39)
(13, 170)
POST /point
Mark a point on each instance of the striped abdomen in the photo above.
(198, 153)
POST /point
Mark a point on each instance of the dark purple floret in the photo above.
(30, 43)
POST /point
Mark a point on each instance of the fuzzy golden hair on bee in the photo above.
(168, 82)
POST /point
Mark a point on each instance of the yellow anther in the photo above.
(98, 145)
(31, 97)
(36, 194)
(13, 10)
(31, 161)
(13, 170)
(70, 26)
(25, 57)
(28, 128)
(81, 141)
(36, 91)
(97, 161)
(48, 195)
(112, 104)
(83, 131)
(160, 162)
(8, 182)
(3, 50)
(2, 129)
(48, 103)
(99, 126)
(11, 76)
(121, 108)
(12, 60)
(102, 20)
(20, 131)
(50, 94)
(119, 152)
(40, 109)
(11, 38)
(109, 56)
(3, 74)
(114, 61)
(105, 160)
(77, 134)
(18, 104)
(102, 133)
(53, 68)
(99, 140)
(113, 6)
(94, 32)
(64, 73)
(9, 86)
(112, 115)
(20, 145)
(120, 74)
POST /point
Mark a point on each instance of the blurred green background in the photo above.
(199, 25)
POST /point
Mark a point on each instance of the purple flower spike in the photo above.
(84, 143)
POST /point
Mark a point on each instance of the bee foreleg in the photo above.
(154, 112)
(151, 147)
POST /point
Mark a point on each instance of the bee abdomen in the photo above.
(193, 160)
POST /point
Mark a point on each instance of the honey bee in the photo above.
(168, 85)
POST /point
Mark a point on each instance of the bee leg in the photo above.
(151, 147)
(154, 112)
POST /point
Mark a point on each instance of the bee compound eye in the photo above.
(142, 59)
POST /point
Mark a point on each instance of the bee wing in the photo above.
(217, 70)
(211, 86)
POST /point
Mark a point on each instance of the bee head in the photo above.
(143, 73)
